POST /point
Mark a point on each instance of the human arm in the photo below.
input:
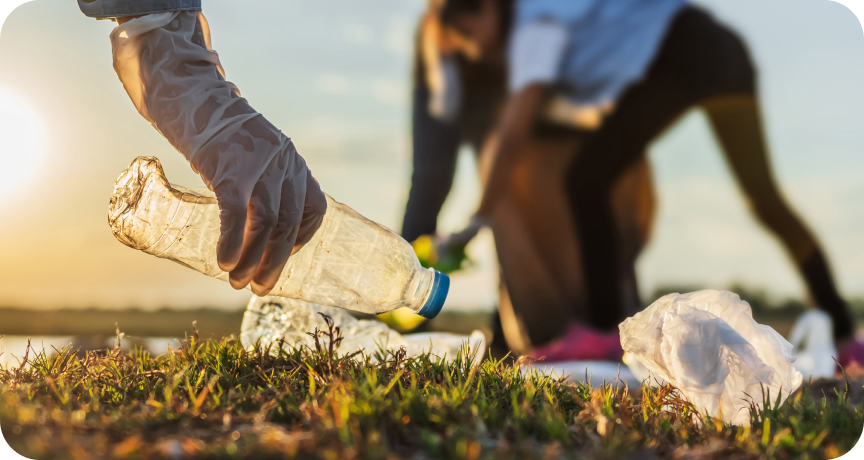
(507, 143)
(269, 203)
(534, 60)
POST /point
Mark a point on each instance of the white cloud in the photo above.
(358, 34)
(399, 37)
(333, 84)
(390, 91)
(335, 141)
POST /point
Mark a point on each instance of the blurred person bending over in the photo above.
(541, 284)
(269, 203)
(628, 70)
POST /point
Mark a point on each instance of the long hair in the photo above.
(450, 9)
(484, 86)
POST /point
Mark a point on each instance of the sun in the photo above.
(22, 144)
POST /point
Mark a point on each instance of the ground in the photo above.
(213, 399)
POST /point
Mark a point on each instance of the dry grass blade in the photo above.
(216, 399)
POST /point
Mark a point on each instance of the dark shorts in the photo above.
(103, 9)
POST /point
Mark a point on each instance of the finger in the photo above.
(282, 237)
(232, 222)
(261, 217)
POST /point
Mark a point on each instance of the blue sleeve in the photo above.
(568, 12)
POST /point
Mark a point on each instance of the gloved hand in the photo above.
(447, 254)
(462, 238)
(269, 203)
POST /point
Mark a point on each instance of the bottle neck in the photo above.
(438, 291)
(424, 281)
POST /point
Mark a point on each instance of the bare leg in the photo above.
(737, 124)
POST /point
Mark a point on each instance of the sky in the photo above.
(334, 75)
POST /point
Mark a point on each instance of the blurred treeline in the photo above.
(215, 323)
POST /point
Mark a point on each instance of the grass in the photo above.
(213, 399)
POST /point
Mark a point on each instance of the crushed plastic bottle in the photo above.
(269, 319)
(350, 262)
(707, 344)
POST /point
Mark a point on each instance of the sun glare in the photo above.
(21, 144)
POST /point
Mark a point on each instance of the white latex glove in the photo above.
(269, 203)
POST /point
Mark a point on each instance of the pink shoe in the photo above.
(850, 351)
(582, 343)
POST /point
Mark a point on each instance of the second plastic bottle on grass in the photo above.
(287, 323)
(350, 262)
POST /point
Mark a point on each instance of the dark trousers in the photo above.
(435, 147)
(699, 61)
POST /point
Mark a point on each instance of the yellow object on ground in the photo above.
(401, 319)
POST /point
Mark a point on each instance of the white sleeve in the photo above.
(536, 52)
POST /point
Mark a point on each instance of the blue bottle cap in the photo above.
(440, 288)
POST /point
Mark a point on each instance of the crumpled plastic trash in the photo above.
(593, 372)
(707, 344)
(268, 319)
(641, 372)
(813, 339)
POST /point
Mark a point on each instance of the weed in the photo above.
(215, 399)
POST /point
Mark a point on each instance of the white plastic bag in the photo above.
(707, 344)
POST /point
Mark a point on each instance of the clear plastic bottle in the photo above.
(268, 319)
(350, 262)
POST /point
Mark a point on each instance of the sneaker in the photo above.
(850, 351)
(582, 343)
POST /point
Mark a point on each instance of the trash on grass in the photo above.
(707, 344)
(813, 339)
(268, 319)
(594, 372)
